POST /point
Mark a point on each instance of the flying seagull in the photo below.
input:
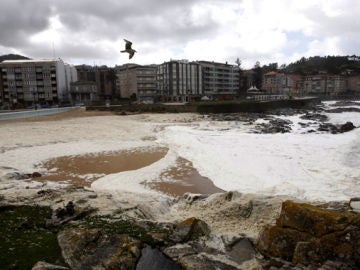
(128, 49)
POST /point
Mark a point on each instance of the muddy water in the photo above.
(85, 169)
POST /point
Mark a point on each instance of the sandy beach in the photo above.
(168, 168)
(177, 153)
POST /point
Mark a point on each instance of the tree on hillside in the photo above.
(329, 64)
(13, 57)
(270, 67)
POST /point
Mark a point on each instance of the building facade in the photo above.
(104, 77)
(277, 83)
(179, 81)
(83, 93)
(293, 85)
(273, 82)
(353, 84)
(136, 81)
(30, 82)
(324, 85)
(219, 80)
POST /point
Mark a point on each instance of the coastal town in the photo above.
(260, 170)
(27, 82)
(179, 135)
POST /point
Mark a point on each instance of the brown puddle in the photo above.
(182, 178)
(85, 169)
(75, 168)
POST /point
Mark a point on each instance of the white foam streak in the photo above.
(130, 181)
(310, 166)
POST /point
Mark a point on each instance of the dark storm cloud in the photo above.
(21, 18)
(144, 19)
(163, 29)
(167, 23)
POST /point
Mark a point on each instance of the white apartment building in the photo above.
(179, 80)
(29, 82)
(220, 80)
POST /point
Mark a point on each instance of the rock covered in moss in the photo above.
(309, 235)
(280, 242)
(313, 220)
(94, 249)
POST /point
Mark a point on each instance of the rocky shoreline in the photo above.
(273, 123)
(221, 231)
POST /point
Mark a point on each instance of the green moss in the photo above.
(24, 239)
(121, 226)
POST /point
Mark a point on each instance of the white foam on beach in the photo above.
(342, 118)
(309, 166)
(313, 166)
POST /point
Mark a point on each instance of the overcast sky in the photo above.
(92, 31)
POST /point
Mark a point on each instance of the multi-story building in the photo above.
(353, 84)
(324, 85)
(179, 80)
(104, 77)
(273, 82)
(276, 83)
(296, 85)
(83, 92)
(135, 81)
(220, 81)
(1, 90)
(292, 85)
(27, 82)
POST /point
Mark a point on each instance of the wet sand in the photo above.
(183, 178)
(85, 169)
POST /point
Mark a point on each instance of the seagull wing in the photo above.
(131, 54)
(128, 44)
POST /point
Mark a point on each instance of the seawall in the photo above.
(210, 107)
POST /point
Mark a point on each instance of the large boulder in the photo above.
(310, 235)
(195, 256)
(94, 249)
(154, 259)
(348, 126)
(280, 242)
(276, 125)
(205, 262)
(189, 229)
(314, 220)
(334, 129)
(314, 117)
